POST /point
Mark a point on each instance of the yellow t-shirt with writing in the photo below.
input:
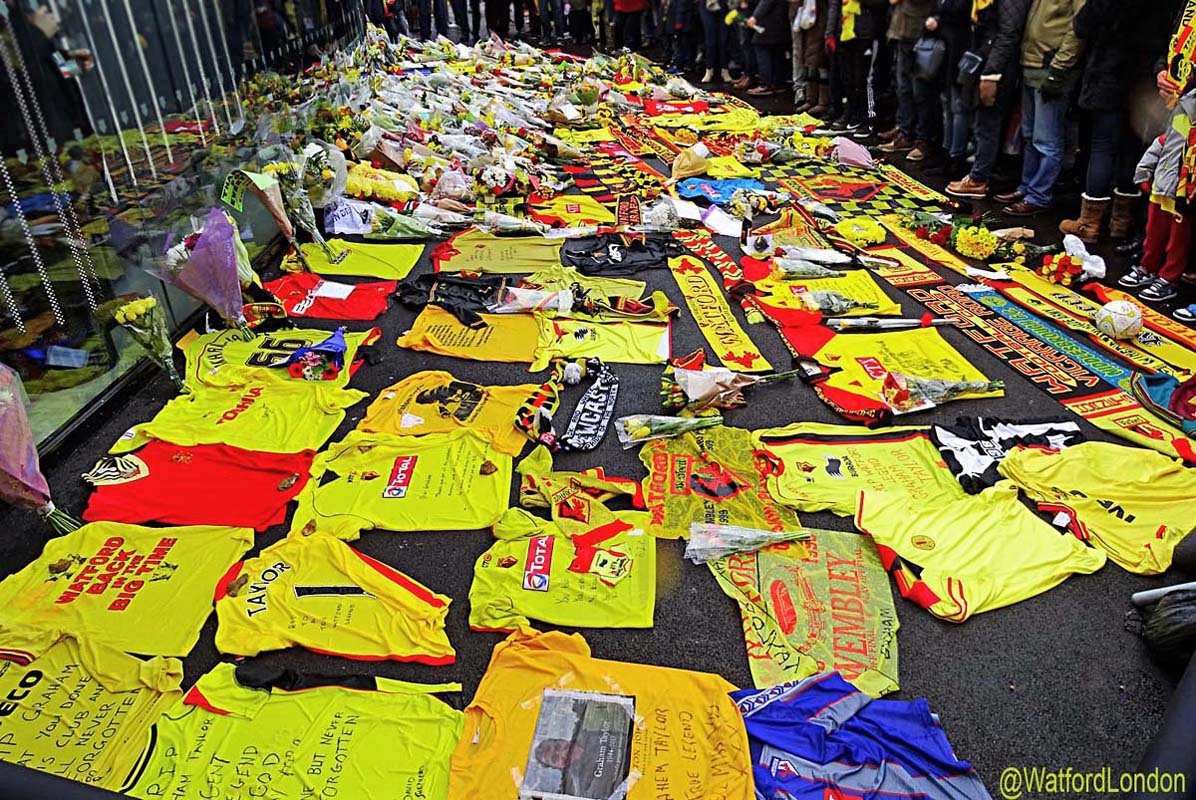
(227, 359)
(81, 709)
(437, 402)
(976, 553)
(317, 592)
(819, 467)
(368, 260)
(688, 739)
(1134, 504)
(222, 739)
(505, 338)
(438, 482)
(855, 284)
(115, 583)
(269, 416)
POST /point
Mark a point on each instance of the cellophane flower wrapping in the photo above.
(142, 319)
(639, 428)
(21, 480)
(209, 273)
(908, 393)
(708, 542)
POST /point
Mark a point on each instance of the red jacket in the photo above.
(631, 6)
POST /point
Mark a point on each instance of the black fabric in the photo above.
(464, 298)
(615, 254)
(974, 446)
(1121, 38)
(255, 675)
(773, 17)
(593, 413)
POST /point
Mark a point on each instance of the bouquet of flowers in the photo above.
(1061, 268)
(861, 231)
(713, 387)
(799, 268)
(639, 428)
(207, 265)
(708, 542)
(909, 393)
(389, 225)
(21, 480)
(370, 183)
(143, 321)
(319, 362)
(830, 302)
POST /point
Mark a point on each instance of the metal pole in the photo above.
(124, 74)
(148, 81)
(95, 57)
(178, 41)
(47, 284)
(203, 76)
(39, 135)
(229, 60)
(207, 30)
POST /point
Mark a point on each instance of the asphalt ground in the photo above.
(1055, 681)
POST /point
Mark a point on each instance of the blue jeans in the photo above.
(1043, 136)
(990, 122)
(552, 17)
(955, 137)
(426, 9)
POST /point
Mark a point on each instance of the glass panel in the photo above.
(123, 121)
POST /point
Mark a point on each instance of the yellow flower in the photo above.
(861, 231)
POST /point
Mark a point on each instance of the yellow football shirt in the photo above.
(317, 592)
(1134, 504)
(688, 740)
(711, 476)
(602, 576)
(226, 740)
(818, 467)
(475, 250)
(369, 260)
(438, 482)
(559, 278)
(505, 338)
(855, 284)
(437, 402)
(115, 583)
(976, 553)
(812, 606)
(622, 342)
(225, 359)
(76, 708)
(270, 417)
(571, 210)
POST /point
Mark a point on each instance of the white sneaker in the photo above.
(708, 76)
(726, 76)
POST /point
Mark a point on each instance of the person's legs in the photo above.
(905, 88)
(620, 28)
(957, 135)
(461, 17)
(440, 9)
(928, 113)
(1179, 250)
(1030, 156)
(1104, 152)
(1048, 135)
(635, 26)
(475, 20)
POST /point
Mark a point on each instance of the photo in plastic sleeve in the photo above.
(581, 749)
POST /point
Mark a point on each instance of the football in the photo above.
(1119, 319)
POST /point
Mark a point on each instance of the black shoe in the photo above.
(1130, 247)
(863, 132)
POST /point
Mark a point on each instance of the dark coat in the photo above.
(997, 37)
(1123, 37)
(870, 23)
(955, 26)
(773, 17)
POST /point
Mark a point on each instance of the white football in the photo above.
(1119, 319)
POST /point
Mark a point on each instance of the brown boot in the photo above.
(1092, 215)
(1121, 223)
(810, 99)
(824, 100)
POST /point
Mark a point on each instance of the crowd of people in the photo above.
(1075, 87)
